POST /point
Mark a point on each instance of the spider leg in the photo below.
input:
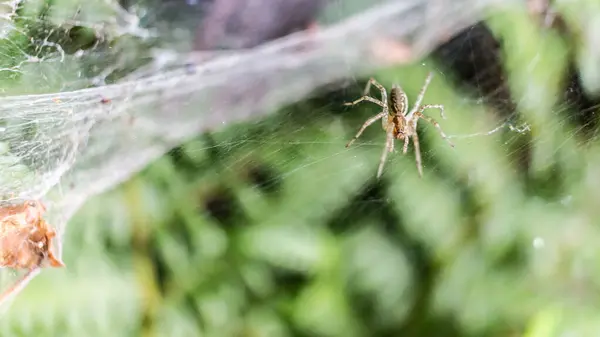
(366, 98)
(389, 143)
(405, 147)
(435, 123)
(368, 86)
(391, 148)
(420, 97)
(433, 106)
(366, 125)
(418, 154)
(380, 87)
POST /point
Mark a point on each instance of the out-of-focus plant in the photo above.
(273, 228)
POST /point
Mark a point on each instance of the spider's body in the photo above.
(398, 103)
(397, 121)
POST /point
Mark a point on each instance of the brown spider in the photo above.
(397, 121)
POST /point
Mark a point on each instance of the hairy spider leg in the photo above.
(380, 87)
(405, 148)
(382, 103)
(388, 143)
(421, 95)
(432, 121)
(366, 98)
(417, 146)
(366, 125)
(433, 106)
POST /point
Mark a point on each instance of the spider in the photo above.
(397, 121)
(25, 241)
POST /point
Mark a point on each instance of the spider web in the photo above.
(81, 142)
(77, 123)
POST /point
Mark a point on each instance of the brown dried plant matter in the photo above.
(25, 241)
(397, 121)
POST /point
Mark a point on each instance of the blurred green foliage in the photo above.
(273, 228)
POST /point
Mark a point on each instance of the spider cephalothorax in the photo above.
(397, 121)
